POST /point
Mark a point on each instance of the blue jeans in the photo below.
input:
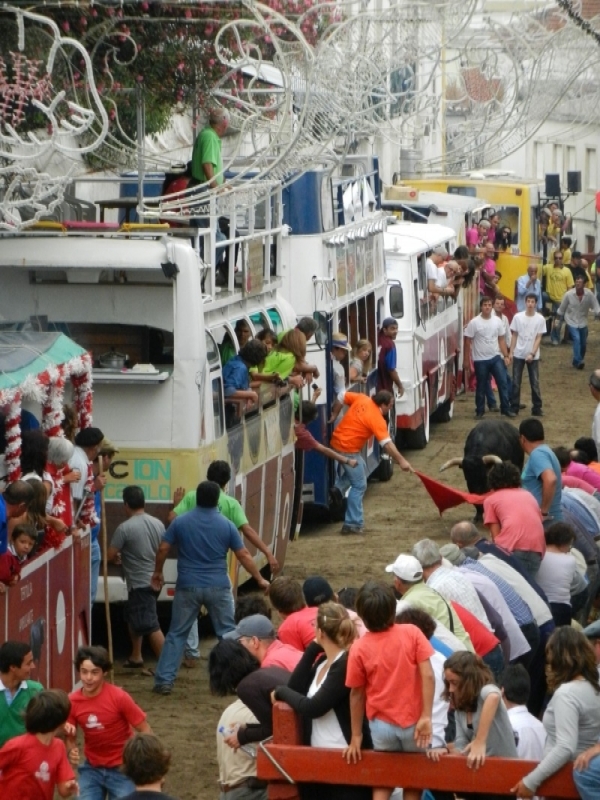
(529, 560)
(579, 338)
(192, 646)
(98, 783)
(95, 569)
(354, 478)
(495, 661)
(484, 368)
(186, 607)
(587, 780)
(489, 392)
(533, 370)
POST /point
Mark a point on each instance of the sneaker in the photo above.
(493, 409)
(162, 688)
(349, 530)
(479, 416)
(537, 412)
(190, 663)
(508, 414)
(555, 344)
(581, 366)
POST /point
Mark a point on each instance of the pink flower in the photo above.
(65, 26)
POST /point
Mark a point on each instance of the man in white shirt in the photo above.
(484, 337)
(595, 391)
(530, 734)
(437, 280)
(489, 392)
(527, 329)
(574, 307)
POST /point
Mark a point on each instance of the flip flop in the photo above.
(129, 664)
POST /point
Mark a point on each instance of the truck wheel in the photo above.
(385, 470)
(418, 439)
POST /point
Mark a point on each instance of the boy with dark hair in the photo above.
(530, 735)
(22, 541)
(146, 761)
(106, 715)
(298, 619)
(16, 690)
(33, 765)
(390, 676)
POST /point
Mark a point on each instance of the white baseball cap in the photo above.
(407, 568)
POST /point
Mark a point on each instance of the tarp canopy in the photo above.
(24, 353)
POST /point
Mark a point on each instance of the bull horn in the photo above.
(491, 459)
(454, 462)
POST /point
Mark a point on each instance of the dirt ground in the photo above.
(396, 514)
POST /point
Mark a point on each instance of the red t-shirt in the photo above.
(482, 639)
(106, 721)
(30, 770)
(299, 628)
(9, 567)
(282, 655)
(386, 665)
(304, 438)
(520, 519)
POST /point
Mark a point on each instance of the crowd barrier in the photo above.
(411, 771)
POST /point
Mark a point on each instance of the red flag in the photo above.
(445, 496)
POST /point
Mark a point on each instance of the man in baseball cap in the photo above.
(408, 582)
(257, 634)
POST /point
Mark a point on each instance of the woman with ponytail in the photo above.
(317, 691)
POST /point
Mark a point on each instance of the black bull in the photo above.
(488, 443)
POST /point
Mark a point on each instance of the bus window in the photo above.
(276, 323)
(321, 333)
(218, 412)
(510, 218)
(396, 301)
(260, 321)
(465, 191)
(417, 303)
(212, 351)
(423, 272)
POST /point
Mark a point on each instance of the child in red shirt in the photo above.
(106, 715)
(390, 676)
(33, 765)
(23, 540)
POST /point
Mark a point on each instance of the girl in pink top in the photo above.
(513, 517)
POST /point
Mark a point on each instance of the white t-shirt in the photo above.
(432, 270)
(506, 324)
(596, 427)
(527, 328)
(530, 734)
(79, 461)
(484, 334)
(555, 576)
(326, 730)
(339, 380)
(439, 711)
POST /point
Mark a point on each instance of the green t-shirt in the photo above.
(228, 506)
(207, 150)
(12, 722)
(280, 361)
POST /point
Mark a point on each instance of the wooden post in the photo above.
(111, 675)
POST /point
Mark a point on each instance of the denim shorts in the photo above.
(393, 738)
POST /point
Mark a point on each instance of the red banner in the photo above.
(445, 496)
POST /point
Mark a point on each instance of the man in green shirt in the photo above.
(207, 169)
(16, 690)
(408, 582)
(220, 473)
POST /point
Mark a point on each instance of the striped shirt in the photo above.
(518, 607)
(453, 586)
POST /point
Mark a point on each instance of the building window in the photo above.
(591, 169)
(590, 244)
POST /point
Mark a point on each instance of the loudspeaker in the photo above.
(573, 182)
(552, 184)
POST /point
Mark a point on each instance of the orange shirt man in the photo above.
(363, 419)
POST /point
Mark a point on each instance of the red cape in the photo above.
(445, 496)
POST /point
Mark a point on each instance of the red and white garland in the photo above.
(48, 389)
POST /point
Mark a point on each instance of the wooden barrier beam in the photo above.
(412, 771)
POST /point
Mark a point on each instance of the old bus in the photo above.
(516, 200)
(145, 297)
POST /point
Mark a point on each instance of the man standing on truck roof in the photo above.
(203, 538)
(364, 418)
(134, 545)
